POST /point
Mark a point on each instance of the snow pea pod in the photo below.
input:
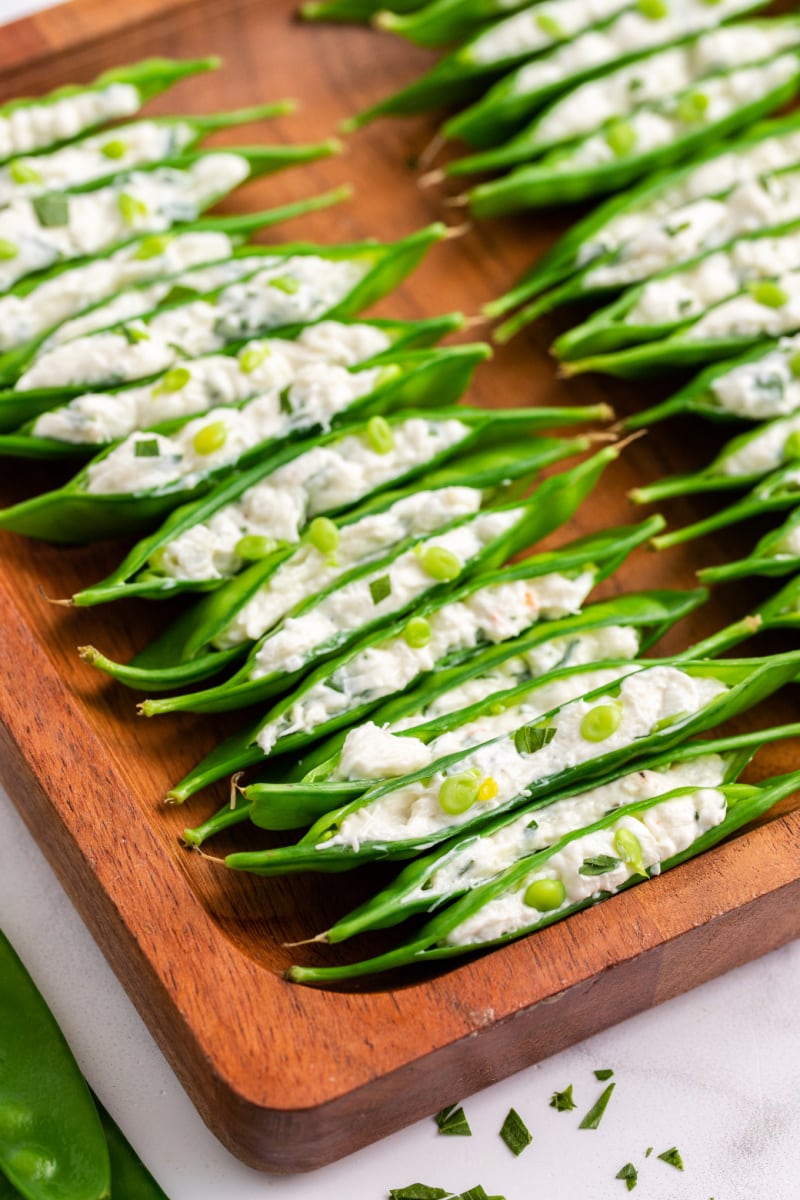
(28, 125)
(744, 460)
(51, 1139)
(776, 553)
(367, 598)
(533, 891)
(354, 10)
(653, 709)
(324, 702)
(445, 22)
(222, 627)
(653, 137)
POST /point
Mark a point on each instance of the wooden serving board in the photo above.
(292, 1078)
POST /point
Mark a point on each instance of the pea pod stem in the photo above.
(779, 491)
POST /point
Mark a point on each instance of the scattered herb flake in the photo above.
(515, 1133)
(478, 1193)
(601, 864)
(648, 1151)
(672, 1156)
(146, 448)
(51, 210)
(629, 1174)
(452, 1121)
(604, 1074)
(285, 403)
(595, 1114)
(380, 588)
(562, 1101)
(419, 1191)
(133, 335)
(531, 738)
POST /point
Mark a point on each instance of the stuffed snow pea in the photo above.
(370, 597)
(654, 708)
(282, 287)
(300, 563)
(719, 83)
(627, 846)
(776, 553)
(195, 549)
(587, 44)
(442, 634)
(354, 10)
(30, 125)
(446, 22)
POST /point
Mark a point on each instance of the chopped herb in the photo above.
(515, 1132)
(285, 404)
(595, 1114)
(674, 230)
(531, 738)
(152, 245)
(8, 249)
(452, 1121)
(604, 1074)
(130, 207)
(419, 1191)
(23, 172)
(51, 210)
(133, 335)
(672, 1157)
(629, 1174)
(599, 865)
(562, 1101)
(179, 293)
(648, 1151)
(477, 1193)
(380, 588)
(286, 284)
(146, 448)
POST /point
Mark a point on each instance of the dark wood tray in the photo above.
(292, 1078)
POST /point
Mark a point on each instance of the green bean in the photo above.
(457, 929)
(51, 1139)
(623, 33)
(712, 692)
(333, 618)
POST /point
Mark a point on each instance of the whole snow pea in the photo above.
(420, 569)
(51, 1139)
(583, 168)
(584, 561)
(354, 10)
(337, 841)
(444, 22)
(744, 460)
(607, 231)
(222, 627)
(69, 111)
(457, 929)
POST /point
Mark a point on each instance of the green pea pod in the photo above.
(465, 863)
(224, 626)
(337, 842)
(607, 232)
(457, 929)
(582, 168)
(445, 22)
(130, 1178)
(118, 93)
(51, 1139)
(744, 460)
(354, 10)
(776, 553)
(595, 557)
(778, 491)
(368, 598)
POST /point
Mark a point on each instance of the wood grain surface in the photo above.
(292, 1078)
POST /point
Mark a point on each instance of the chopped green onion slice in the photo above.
(550, 26)
(654, 10)
(252, 357)
(23, 172)
(253, 547)
(379, 435)
(146, 448)
(595, 1114)
(173, 381)
(629, 1174)
(130, 208)
(545, 895)
(133, 335)
(515, 1133)
(210, 438)
(285, 283)
(629, 848)
(440, 564)
(152, 245)
(459, 792)
(323, 534)
(562, 1101)
(794, 364)
(51, 210)
(116, 148)
(599, 865)
(417, 633)
(380, 588)
(765, 292)
(620, 137)
(452, 1122)
(531, 738)
(600, 722)
(672, 1156)
(8, 249)
(692, 106)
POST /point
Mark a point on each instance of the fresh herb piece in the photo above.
(515, 1133)
(629, 1174)
(286, 284)
(419, 1191)
(179, 293)
(146, 448)
(531, 738)
(8, 249)
(452, 1122)
(51, 210)
(477, 1193)
(562, 1101)
(550, 27)
(133, 335)
(599, 865)
(152, 245)
(604, 1074)
(130, 207)
(672, 1156)
(380, 588)
(648, 1151)
(595, 1114)
(24, 172)
(285, 404)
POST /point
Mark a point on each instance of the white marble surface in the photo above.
(715, 1072)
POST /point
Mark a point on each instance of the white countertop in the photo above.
(715, 1072)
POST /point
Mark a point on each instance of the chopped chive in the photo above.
(146, 448)
(23, 172)
(116, 148)
(133, 335)
(8, 249)
(603, 1074)
(286, 284)
(629, 1174)
(179, 293)
(531, 738)
(672, 1156)
(595, 1114)
(452, 1122)
(515, 1132)
(130, 207)
(51, 210)
(252, 357)
(562, 1101)
(380, 588)
(285, 403)
(599, 865)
